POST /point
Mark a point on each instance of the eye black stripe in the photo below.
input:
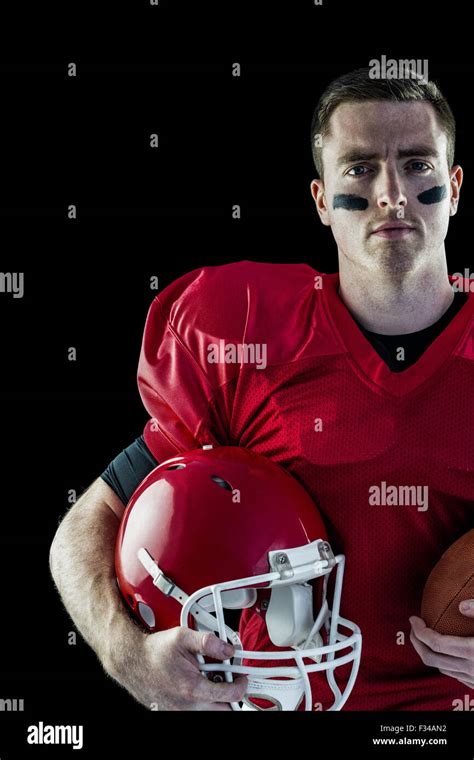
(350, 202)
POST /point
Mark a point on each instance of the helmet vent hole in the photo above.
(176, 467)
(221, 482)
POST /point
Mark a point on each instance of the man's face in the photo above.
(385, 163)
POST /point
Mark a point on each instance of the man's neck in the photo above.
(405, 303)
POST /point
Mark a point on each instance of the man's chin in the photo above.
(395, 255)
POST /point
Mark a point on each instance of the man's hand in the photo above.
(453, 655)
(163, 673)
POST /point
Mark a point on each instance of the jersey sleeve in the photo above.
(129, 468)
(189, 399)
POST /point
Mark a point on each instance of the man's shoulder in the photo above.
(237, 279)
(224, 299)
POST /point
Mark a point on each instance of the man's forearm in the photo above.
(82, 565)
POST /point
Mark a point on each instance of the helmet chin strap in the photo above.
(284, 695)
(204, 620)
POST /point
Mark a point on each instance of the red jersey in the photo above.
(318, 399)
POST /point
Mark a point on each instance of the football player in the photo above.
(358, 383)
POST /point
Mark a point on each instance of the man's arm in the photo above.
(83, 568)
(156, 668)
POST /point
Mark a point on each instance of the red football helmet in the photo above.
(227, 528)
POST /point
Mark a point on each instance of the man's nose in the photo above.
(390, 191)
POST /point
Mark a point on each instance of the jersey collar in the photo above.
(367, 363)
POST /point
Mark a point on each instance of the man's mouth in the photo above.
(392, 230)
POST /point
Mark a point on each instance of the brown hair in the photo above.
(357, 86)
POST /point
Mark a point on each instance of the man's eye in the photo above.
(356, 171)
(419, 166)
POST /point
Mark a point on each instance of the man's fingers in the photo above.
(205, 644)
(437, 660)
(459, 646)
(204, 690)
(208, 691)
(466, 607)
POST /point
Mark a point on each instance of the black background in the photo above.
(141, 213)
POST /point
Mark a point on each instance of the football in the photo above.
(449, 583)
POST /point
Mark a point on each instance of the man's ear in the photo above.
(319, 196)
(455, 176)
